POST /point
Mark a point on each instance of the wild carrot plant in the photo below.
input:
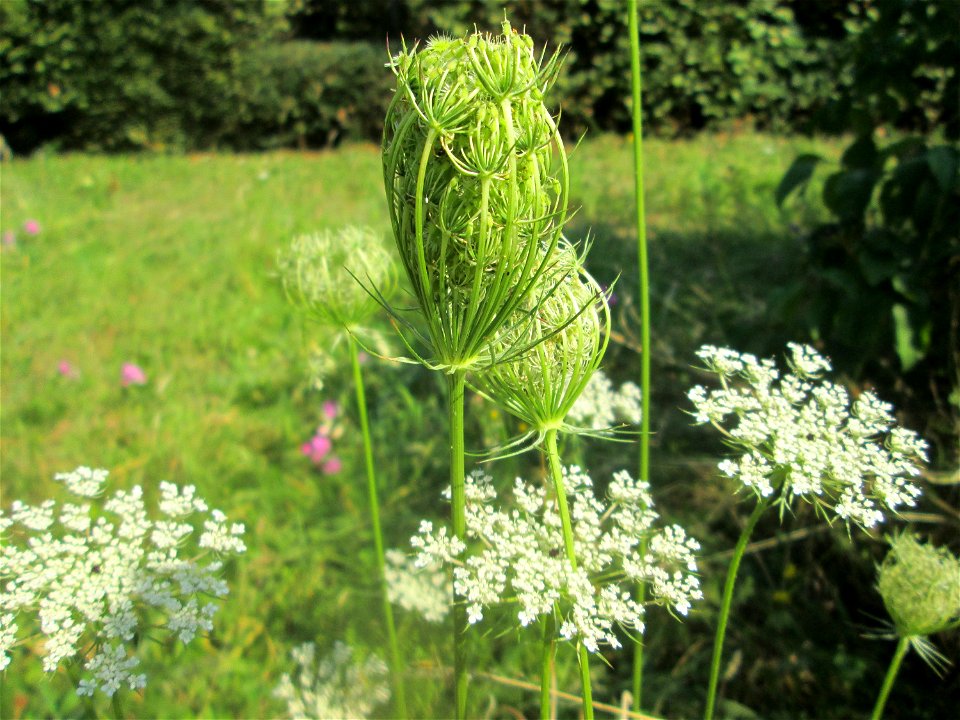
(579, 595)
(920, 586)
(477, 184)
(100, 573)
(800, 437)
(316, 276)
(565, 323)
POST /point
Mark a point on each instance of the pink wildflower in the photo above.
(131, 374)
(362, 357)
(316, 448)
(330, 409)
(67, 370)
(31, 227)
(9, 238)
(332, 466)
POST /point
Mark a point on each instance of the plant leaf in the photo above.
(798, 175)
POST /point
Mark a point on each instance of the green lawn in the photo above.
(168, 262)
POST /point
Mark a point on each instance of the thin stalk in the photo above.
(116, 705)
(727, 601)
(553, 457)
(641, 595)
(400, 696)
(546, 667)
(455, 385)
(637, 89)
(888, 681)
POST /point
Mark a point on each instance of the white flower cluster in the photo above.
(802, 435)
(522, 556)
(336, 687)
(424, 590)
(90, 577)
(600, 405)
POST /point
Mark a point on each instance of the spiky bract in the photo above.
(475, 196)
(316, 273)
(564, 325)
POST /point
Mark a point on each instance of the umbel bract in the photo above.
(476, 181)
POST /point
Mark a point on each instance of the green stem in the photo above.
(455, 384)
(116, 705)
(400, 699)
(553, 457)
(546, 666)
(641, 595)
(727, 601)
(888, 681)
(637, 89)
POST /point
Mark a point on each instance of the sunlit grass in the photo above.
(168, 262)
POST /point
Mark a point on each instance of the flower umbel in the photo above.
(920, 586)
(563, 324)
(522, 560)
(800, 435)
(338, 686)
(600, 405)
(316, 269)
(91, 578)
(423, 590)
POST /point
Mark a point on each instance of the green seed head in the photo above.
(476, 181)
(316, 272)
(920, 585)
(563, 325)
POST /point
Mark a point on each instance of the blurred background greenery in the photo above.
(803, 183)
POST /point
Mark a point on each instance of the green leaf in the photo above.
(862, 154)
(848, 193)
(943, 162)
(912, 343)
(798, 175)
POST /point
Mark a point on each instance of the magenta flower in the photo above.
(330, 409)
(67, 370)
(316, 448)
(9, 238)
(332, 466)
(131, 374)
(31, 227)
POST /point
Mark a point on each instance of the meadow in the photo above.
(169, 262)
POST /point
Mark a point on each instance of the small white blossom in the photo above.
(35, 518)
(800, 436)
(111, 669)
(8, 633)
(90, 582)
(83, 481)
(219, 538)
(178, 502)
(338, 686)
(522, 556)
(435, 547)
(424, 590)
(600, 406)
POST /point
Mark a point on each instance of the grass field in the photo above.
(168, 262)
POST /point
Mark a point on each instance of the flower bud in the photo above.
(563, 327)
(476, 199)
(920, 586)
(316, 273)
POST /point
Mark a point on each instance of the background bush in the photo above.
(880, 280)
(114, 75)
(310, 94)
(245, 74)
(705, 61)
